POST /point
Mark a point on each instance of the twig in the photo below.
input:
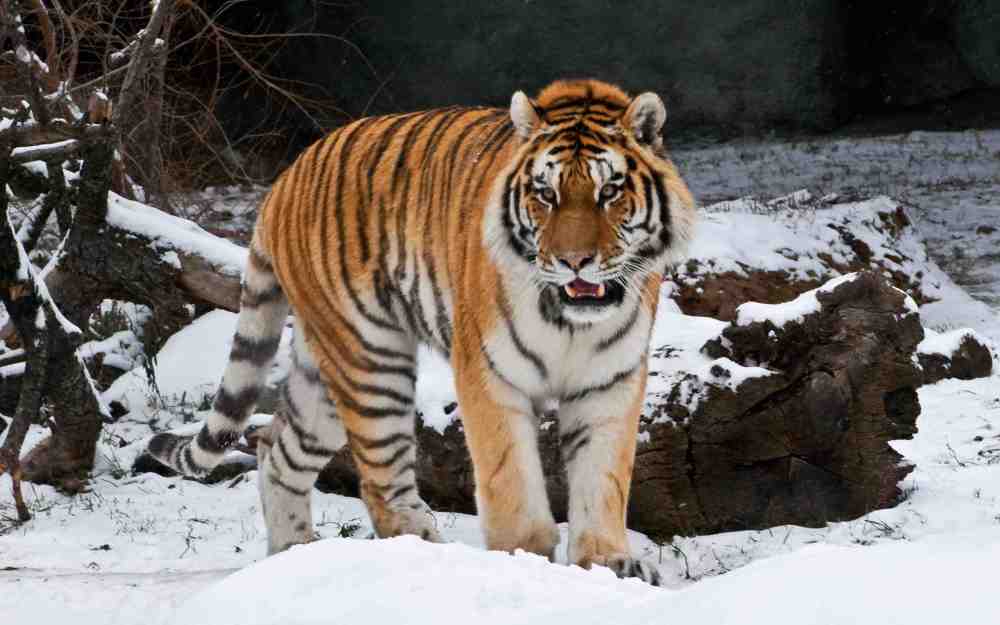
(129, 95)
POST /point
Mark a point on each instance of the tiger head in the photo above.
(591, 202)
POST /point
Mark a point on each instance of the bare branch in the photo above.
(128, 95)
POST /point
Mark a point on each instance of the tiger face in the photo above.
(593, 205)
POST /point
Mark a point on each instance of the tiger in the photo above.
(526, 245)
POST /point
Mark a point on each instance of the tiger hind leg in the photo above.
(305, 434)
(373, 389)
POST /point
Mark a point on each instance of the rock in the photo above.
(799, 243)
(804, 441)
(789, 424)
(961, 354)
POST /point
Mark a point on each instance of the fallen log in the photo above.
(789, 424)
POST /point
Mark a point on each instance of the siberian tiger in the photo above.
(527, 245)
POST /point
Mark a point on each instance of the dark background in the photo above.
(725, 68)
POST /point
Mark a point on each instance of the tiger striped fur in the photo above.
(527, 245)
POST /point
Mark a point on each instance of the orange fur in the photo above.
(362, 211)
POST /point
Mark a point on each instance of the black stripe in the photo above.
(522, 349)
(600, 388)
(320, 451)
(215, 443)
(550, 309)
(441, 321)
(620, 333)
(519, 246)
(378, 153)
(568, 456)
(385, 441)
(258, 352)
(294, 412)
(253, 299)
(345, 155)
(235, 407)
(494, 369)
(382, 464)
(418, 306)
(277, 482)
(584, 103)
(324, 212)
(593, 149)
(401, 213)
(311, 374)
(427, 168)
(379, 391)
(347, 402)
(259, 261)
(661, 194)
(492, 147)
(399, 492)
(411, 136)
(647, 193)
(409, 466)
(320, 189)
(294, 464)
(187, 461)
(376, 350)
(429, 188)
(569, 437)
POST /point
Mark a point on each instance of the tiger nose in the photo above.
(576, 260)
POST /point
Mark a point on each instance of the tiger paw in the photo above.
(417, 520)
(625, 566)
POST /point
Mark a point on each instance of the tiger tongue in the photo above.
(582, 288)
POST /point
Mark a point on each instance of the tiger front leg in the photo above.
(501, 431)
(597, 439)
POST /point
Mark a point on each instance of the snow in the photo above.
(729, 374)
(175, 555)
(180, 233)
(794, 311)
(188, 367)
(427, 584)
(28, 151)
(435, 392)
(818, 585)
(947, 343)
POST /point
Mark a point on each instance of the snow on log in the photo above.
(210, 266)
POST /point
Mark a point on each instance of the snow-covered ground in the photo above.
(135, 549)
(153, 550)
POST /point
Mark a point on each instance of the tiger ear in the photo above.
(645, 117)
(524, 114)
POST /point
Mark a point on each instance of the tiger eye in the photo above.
(608, 191)
(549, 195)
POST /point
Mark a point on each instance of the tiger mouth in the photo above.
(579, 292)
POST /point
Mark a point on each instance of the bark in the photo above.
(53, 373)
(96, 262)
